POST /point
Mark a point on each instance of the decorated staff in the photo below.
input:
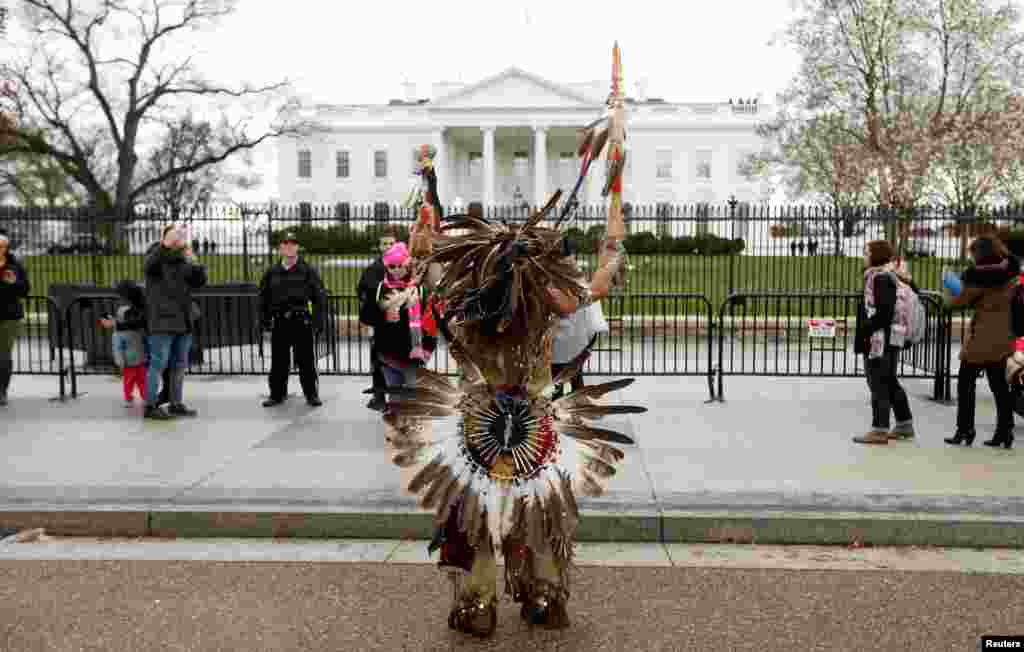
(507, 476)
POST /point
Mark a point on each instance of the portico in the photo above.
(507, 164)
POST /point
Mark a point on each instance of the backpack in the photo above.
(914, 314)
(1017, 310)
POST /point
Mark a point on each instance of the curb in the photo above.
(765, 527)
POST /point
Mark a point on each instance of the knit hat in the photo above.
(397, 255)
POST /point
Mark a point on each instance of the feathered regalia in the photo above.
(506, 476)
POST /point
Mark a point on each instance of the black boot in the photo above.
(1002, 438)
(961, 438)
(6, 370)
(156, 413)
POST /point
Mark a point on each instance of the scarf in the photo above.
(415, 312)
(900, 328)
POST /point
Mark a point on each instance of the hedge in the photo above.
(343, 239)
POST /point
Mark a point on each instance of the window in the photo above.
(476, 165)
(380, 164)
(341, 165)
(704, 165)
(521, 165)
(566, 169)
(305, 164)
(342, 211)
(305, 212)
(664, 163)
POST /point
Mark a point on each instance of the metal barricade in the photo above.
(772, 334)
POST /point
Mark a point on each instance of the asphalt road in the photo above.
(140, 606)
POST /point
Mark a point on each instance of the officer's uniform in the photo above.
(286, 296)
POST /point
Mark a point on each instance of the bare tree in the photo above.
(817, 160)
(184, 143)
(904, 74)
(93, 90)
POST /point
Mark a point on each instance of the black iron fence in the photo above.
(673, 249)
(753, 333)
(757, 336)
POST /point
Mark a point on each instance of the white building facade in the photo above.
(510, 140)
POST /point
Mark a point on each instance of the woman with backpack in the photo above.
(990, 342)
(883, 328)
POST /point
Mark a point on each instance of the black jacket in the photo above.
(12, 293)
(170, 280)
(283, 289)
(370, 280)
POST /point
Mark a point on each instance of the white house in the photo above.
(511, 138)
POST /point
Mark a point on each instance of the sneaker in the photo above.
(271, 402)
(156, 412)
(179, 410)
(314, 401)
(873, 437)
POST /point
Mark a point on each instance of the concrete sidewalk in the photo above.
(773, 464)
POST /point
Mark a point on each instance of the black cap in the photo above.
(289, 237)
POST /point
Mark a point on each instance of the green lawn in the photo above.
(709, 276)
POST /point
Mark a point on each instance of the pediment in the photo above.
(514, 88)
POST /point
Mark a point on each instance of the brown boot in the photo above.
(873, 437)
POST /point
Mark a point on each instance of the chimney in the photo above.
(641, 90)
(410, 91)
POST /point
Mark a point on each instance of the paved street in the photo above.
(62, 596)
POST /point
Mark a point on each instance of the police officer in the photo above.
(288, 291)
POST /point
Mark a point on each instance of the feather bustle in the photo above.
(425, 474)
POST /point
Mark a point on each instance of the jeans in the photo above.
(398, 377)
(966, 395)
(887, 394)
(167, 352)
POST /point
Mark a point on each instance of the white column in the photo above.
(441, 167)
(540, 166)
(488, 154)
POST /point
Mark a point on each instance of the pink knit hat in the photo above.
(397, 255)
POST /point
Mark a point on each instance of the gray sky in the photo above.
(361, 52)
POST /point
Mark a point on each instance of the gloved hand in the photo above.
(951, 282)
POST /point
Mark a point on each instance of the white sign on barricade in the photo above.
(821, 328)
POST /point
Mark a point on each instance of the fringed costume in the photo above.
(507, 476)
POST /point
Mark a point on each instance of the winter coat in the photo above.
(885, 312)
(987, 291)
(393, 340)
(12, 294)
(283, 289)
(370, 280)
(170, 280)
(128, 339)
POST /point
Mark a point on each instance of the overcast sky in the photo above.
(361, 52)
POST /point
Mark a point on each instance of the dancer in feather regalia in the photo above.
(507, 476)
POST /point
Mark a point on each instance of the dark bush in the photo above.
(340, 239)
(343, 239)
